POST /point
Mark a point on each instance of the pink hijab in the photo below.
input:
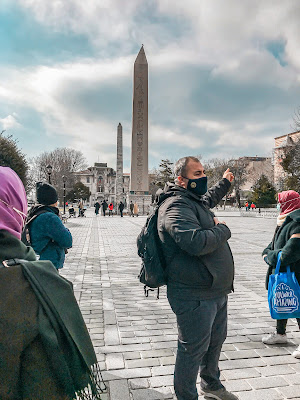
(13, 202)
(289, 201)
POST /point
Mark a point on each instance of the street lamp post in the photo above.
(64, 181)
(143, 206)
(49, 172)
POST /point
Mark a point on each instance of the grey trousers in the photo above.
(202, 329)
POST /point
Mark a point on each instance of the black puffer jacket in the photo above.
(290, 247)
(199, 259)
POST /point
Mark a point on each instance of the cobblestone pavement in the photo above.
(135, 337)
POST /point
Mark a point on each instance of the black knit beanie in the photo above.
(46, 193)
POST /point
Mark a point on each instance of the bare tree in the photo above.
(64, 162)
(296, 119)
(239, 168)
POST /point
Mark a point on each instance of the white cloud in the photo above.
(10, 122)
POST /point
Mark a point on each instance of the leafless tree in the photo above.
(296, 120)
(64, 162)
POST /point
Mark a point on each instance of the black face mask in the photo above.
(198, 186)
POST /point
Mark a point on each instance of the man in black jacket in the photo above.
(200, 274)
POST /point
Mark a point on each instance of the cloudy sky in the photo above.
(224, 75)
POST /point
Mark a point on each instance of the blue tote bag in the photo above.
(283, 293)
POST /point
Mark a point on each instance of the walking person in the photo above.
(80, 209)
(252, 206)
(110, 209)
(200, 275)
(135, 210)
(286, 239)
(49, 237)
(45, 354)
(97, 207)
(104, 207)
(121, 208)
(131, 207)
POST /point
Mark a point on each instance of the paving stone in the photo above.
(164, 380)
(114, 361)
(272, 352)
(151, 394)
(126, 374)
(140, 383)
(157, 353)
(234, 355)
(290, 392)
(146, 362)
(266, 383)
(237, 386)
(119, 390)
(264, 394)
(245, 363)
(276, 370)
(241, 373)
(163, 370)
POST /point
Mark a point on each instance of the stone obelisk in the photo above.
(139, 181)
(119, 169)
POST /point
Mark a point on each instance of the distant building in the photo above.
(101, 180)
(256, 167)
(282, 143)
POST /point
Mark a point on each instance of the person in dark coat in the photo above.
(104, 207)
(48, 236)
(121, 208)
(200, 274)
(286, 239)
(44, 354)
(131, 207)
(97, 207)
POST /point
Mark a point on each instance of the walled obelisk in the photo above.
(139, 180)
(119, 169)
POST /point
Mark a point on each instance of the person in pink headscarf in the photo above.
(39, 359)
(287, 240)
(13, 202)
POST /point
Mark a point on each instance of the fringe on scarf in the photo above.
(95, 388)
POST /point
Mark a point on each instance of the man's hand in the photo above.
(217, 222)
(228, 175)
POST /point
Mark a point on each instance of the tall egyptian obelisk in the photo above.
(139, 180)
(119, 169)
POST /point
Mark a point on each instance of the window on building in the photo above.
(87, 179)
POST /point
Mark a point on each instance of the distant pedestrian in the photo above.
(80, 209)
(247, 206)
(104, 206)
(253, 206)
(121, 208)
(110, 209)
(136, 210)
(97, 207)
(49, 237)
(287, 240)
(131, 207)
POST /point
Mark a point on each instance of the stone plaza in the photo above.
(136, 338)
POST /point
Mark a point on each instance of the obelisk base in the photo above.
(143, 201)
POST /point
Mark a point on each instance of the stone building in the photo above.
(282, 143)
(101, 180)
(256, 167)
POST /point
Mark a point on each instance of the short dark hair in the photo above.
(181, 164)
